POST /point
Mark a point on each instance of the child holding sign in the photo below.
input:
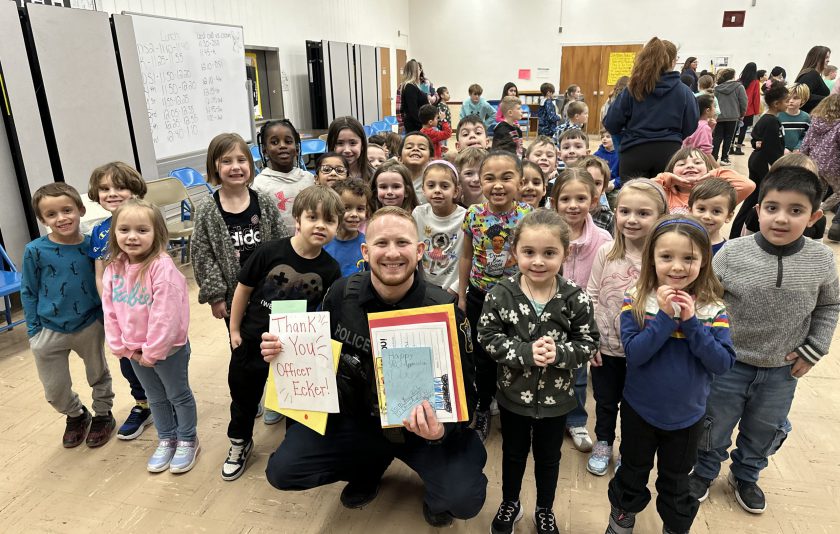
(539, 327)
(291, 268)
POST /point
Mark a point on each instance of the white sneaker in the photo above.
(580, 438)
(237, 458)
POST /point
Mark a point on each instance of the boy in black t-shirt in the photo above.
(508, 135)
(291, 268)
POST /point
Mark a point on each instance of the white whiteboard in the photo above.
(194, 82)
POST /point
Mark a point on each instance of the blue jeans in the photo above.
(578, 416)
(758, 400)
(170, 397)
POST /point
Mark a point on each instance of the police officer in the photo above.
(449, 458)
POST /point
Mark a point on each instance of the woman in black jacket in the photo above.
(811, 75)
(690, 69)
(412, 97)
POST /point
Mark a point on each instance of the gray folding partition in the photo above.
(369, 107)
(24, 159)
(82, 90)
(338, 77)
(344, 79)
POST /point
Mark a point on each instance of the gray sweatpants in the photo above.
(52, 358)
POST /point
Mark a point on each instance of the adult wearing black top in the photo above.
(449, 457)
(654, 114)
(412, 97)
(690, 69)
(811, 75)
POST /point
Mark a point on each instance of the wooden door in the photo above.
(605, 86)
(581, 65)
(402, 59)
(385, 79)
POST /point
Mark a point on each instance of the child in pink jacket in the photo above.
(701, 139)
(147, 314)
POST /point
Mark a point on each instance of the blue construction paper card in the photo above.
(409, 380)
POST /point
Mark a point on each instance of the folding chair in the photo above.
(9, 285)
(165, 193)
(310, 147)
(525, 123)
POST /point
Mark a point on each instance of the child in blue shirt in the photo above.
(547, 114)
(63, 313)
(346, 247)
(608, 153)
(111, 185)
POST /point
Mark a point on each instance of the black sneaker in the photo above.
(621, 522)
(135, 423)
(508, 514)
(737, 152)
(358, 495)
(482, 424)
(544, 521)
(834, 229)
(666, 530)
(101, 429)
(698, 487)
(237, 458)
(440, 520)
(748, 495)
(76, 429)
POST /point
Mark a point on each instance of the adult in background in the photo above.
(410, 97)
(749, 79)
(811, 75)
(654, 114)
(449, 457)
(690, 69)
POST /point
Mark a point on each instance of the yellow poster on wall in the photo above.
(253, 74)
(621, 64)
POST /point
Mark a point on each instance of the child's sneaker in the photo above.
(621, 522)
(698, 487)
(271, 417)
(101, 429)
(580, 438)
(508, 514)
(161, 458)
(238, 455)
(76, 429)
(482, 424)
(186, 452)
(260, 410)
(599, 460)
(136, 422)
(544, 521)
(748, 495)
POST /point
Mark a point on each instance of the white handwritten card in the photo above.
(304, 375)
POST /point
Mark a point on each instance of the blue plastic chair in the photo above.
(310, 147)
(525, 123)
(391, 120)
(255, 153)
(380, 126)
(9, 285)
(368, 131)
(190, 178)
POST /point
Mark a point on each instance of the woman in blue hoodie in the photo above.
(654, 114)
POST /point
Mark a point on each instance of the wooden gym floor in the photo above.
(46, 488)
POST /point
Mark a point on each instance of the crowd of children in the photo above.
(556, 263)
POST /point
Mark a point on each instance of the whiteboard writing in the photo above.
(194, 82)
